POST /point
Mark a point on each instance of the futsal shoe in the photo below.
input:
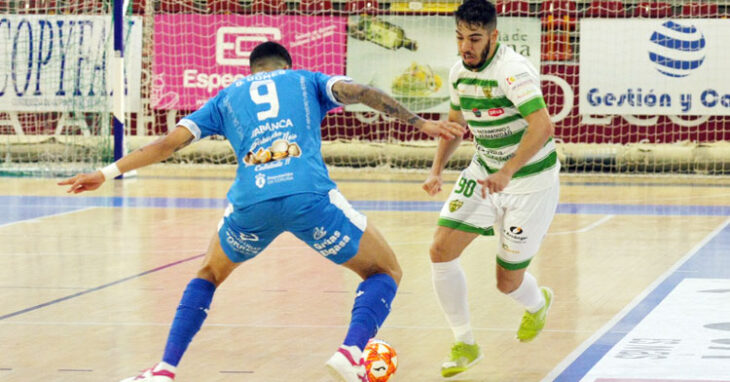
(463, 356)
(532, 323)
(347, 365)
(154, 374)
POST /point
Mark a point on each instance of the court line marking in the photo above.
(76, 370)
(586, 228)
(100, 287)
(367, 205)
(39, 218)
(687, 197)
(98, 253)
(573, 356)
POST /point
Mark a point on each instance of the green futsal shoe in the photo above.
(463, 356)
(532, 323)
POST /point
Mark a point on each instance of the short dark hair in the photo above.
(269, 51)
(477, 12)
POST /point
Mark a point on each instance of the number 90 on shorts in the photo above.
(465, 186)
(466, 212)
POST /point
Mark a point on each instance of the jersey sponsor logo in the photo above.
(248, 236)
(260, 180)
(527, 82)
(491, 132)
(241, 245)
(329, 241)
(477, 112)
(286, 177)
(332, 245)
(269, 166)
(495, 112)
(528, 94)
(498, 156)
(487, 90)
(514, 234)
(233, 45)
(507, 249)
(512, 79)
(319, 233)
(272, 126)
(279, 149)
(455, 204)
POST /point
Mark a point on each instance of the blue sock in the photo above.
(372, 306)
(191, 313)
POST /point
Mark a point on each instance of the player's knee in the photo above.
(392, 269)
(206, 272)
(439, 252)
(396, 273)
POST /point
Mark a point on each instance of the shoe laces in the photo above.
(142, 375)
(460, 347)
(364, 376)
(530, 319)
(459, 350)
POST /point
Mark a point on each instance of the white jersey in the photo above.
(494, 101)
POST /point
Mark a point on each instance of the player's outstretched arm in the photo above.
(432, 184)
(154, 152)
(350, 92)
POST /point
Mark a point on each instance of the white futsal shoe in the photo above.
(156, 373)
(347, 365)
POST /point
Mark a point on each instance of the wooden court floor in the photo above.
(89, 284)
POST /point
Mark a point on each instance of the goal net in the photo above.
(55, 84)
(632, 87)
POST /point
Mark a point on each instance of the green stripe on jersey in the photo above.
(469, 103)
(532, 168)
(455, 107)
(495, 143)
(496, 122)
(475, 81)
(462, 226)
(532, 105)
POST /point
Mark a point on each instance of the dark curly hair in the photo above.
(269, 51)
(477, 12)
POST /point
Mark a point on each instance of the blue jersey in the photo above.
(272, 120)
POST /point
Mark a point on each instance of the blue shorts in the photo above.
(326, 222)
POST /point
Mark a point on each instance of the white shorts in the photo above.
(522, 220)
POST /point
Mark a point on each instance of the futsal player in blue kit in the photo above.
(272, 119)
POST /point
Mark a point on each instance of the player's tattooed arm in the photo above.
(156, 151)
(350, 92)
(184, 144)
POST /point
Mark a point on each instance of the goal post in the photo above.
(117, 76)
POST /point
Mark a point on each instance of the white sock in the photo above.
(449, 282)
(528, 294)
